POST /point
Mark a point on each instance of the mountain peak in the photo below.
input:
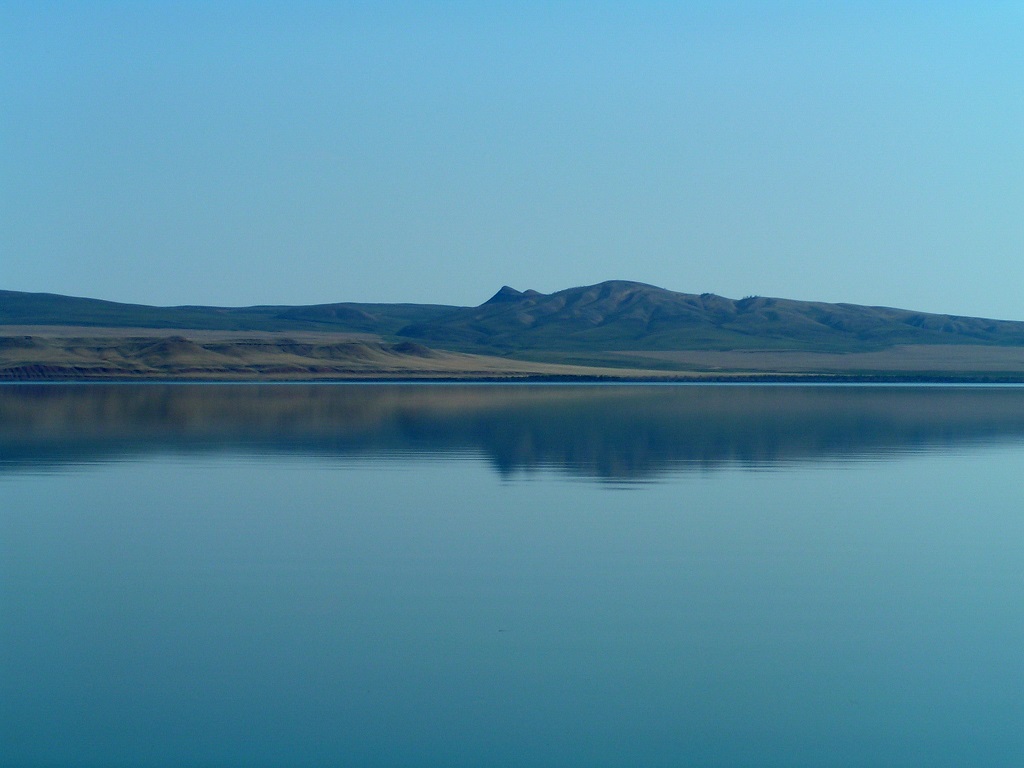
(508, 294)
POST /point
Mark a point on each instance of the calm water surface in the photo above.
(514, 576)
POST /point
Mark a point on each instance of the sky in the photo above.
(237, 153)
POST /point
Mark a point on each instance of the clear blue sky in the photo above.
(242, 153)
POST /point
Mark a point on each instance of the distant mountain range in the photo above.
(611, 316)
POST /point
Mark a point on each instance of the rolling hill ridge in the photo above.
(611, 316)
(20, 308)
(627, 315)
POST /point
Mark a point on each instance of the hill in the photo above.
(636, 328)
(620, 315)
(49, 309)
(70, 353)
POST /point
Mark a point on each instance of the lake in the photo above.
(532, 575)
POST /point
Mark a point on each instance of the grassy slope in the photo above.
(85, 353)
(632, 327)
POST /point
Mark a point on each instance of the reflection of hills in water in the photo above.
(613, 432)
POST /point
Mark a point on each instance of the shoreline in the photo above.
(738, 378)
(79, 354)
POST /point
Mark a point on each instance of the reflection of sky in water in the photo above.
(619, 433)
(294, 611)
